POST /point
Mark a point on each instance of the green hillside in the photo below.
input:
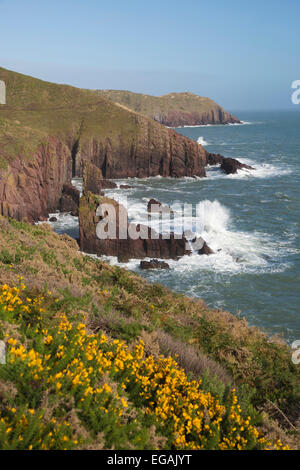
(59, 109)
(97, 358)
(160, 107)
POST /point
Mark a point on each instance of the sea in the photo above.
(250, 220)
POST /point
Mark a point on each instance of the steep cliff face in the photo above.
(152, 150)
(48, 130)
(30, 188)
(173, 109)
(194, 118)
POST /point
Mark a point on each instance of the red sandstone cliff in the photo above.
(31, 187)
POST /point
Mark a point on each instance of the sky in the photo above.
(243, 54)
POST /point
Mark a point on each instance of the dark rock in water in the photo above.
(228, 165)
(69, 201)
(206, 250)
(107, 184)
(128, 240)
(231, 166)
(125, 186)
(202, 247)
(154, 264)
(123, 259)
(53, 219)
(158, 207)
(214, 159)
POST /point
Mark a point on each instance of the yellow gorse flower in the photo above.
(103, 373)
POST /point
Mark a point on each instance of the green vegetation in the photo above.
(37, 110)
(210, 345)
(156, 106)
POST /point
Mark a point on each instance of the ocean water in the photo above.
(251, 221)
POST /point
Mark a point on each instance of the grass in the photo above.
(154, 106)
(64, 387)
(37, 109)
(213, 345)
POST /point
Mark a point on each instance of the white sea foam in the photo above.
(242, 123)
(234, 251)
(65, 223)
(202, 141)
(77, 183)
(262, 170)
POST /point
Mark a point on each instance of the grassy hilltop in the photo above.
(45, 108)
(37, 109)
(173, 109)
(48, 130)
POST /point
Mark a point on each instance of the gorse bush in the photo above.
(63, 387)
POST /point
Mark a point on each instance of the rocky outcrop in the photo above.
(205, 250)
(231, 166)
(154, 264)
(69, 201)
(92, 178)
(31, 186)
(199, 244)
(213, 159)
(156, 206)
(126, 241)
(194, 118)
(228, 165)
(107, 184)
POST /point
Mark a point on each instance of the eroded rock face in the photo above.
(131, 241)
(154, 264)
(155, 150)
(31, 187)
(179, 119)
(69, 201)
(92, 178)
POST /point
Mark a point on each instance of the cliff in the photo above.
(173, 109)
(47, 130)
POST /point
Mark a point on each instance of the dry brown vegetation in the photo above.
(207, 343)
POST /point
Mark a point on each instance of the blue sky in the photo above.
(243, 54)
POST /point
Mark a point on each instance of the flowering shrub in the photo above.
(64, 387)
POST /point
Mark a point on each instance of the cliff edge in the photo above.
(173, 109)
